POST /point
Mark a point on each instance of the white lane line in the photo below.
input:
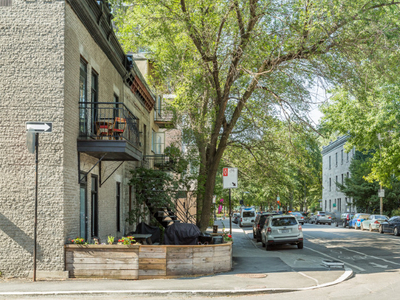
(334, 258)
(375, 257)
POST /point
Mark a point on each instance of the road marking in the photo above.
(334, 258)
(375, 257)
(379, 266)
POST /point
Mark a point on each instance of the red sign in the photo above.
(225, 171)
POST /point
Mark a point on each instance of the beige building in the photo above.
(60, 62)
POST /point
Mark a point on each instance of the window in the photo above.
(287, 221)
(329, 162)
(116, 106)
(158, 142)
(330, 205)
(325, 205)
(118, 199)
(82, 97)
(341, 153)
(347, 154)
(348, 175)
(94, 98)
(94, 208)
(330, 184)
(336, 159)
(153, 141)
(342, 178)
(144, 139)
(339, 204)
(336, 182)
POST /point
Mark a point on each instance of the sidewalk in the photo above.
(254, 271)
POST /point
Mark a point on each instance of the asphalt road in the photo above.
(363, 251)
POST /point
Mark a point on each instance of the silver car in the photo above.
(299, 217)
(282, 229)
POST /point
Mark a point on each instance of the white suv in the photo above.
(282, 229)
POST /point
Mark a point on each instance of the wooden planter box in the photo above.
(146, 261)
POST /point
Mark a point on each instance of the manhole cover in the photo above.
(252, 275)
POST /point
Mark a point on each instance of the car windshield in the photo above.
(297, 214)
(381, 217)
(322, 213)
(364, 216)
(248, 214)
(285, 221)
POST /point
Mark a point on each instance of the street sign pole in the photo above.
(230, 213)
(36, 203)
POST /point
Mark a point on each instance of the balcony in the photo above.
(108, 131)
(163, 118)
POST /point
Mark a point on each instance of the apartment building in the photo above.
(61, 62)
(335, 168)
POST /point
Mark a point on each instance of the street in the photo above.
(373, 257)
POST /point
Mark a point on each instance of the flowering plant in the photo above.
(78, 240)
(127, 240)
(110, 239)
(226, 236)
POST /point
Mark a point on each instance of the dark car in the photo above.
(259, 224)
(345, 219)
(391, 226)
(235, 218)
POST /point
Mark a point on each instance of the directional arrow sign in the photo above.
(39, 126)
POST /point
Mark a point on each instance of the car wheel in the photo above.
(330, 224)
(396, 232)
(370, 228)
(300, 245)
(258, 239)
(268, 247)
(254, 235)
(344, 224)
(337, 224)
(240, 224)
(380, 229)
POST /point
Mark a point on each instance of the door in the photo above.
(83, 209)
(94, 208)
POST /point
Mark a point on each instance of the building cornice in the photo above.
(333, 145)
(97, 20)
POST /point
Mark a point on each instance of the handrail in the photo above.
(108, 121)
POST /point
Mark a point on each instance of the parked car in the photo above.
(247, 216)
(345, 219)
(259, 224)
(308, 217)
(282, 229)
(355, 222)
(299, 216)
(373, 222)
(235, 218)
(334, 217)
(391, 226)
(320, 217)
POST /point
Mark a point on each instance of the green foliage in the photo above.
(234, 65)
(365, 193)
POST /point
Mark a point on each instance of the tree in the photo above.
(224, 58)
(364, 193)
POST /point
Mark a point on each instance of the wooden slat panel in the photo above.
(101, 260)
(220, 266)
(144, 277)
(186, 249)
(179, 269)
(175, 255)
(203, 254)
(179, 261)
(152, 266)
(152, 252)
(108, 266)
(201, 260)
(204, 268)
(222, 249)
(116, 274)
(108, 254)
(144, 260)
(152, 272)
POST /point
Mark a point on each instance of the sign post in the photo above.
(381, 194)
(33, 130)
(230, 178)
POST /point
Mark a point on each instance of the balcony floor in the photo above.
(116, 150)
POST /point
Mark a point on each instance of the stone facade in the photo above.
(42, 44)
(335, 168)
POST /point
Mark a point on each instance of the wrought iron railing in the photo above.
(163, 115)
(108, 121)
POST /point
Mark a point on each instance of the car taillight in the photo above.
(302, 217)
(376, 222)
(241, 219)
(347, 218)
(329, 217)
(258, 226)
(358, 220)
(300, 227)
(269, 229)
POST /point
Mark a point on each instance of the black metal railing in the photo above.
(108, 121)
(163, 115)
(160, 161)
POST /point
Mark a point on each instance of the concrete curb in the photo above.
(347, 274)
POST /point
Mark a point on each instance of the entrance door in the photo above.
(94, 208)
(83, 220)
